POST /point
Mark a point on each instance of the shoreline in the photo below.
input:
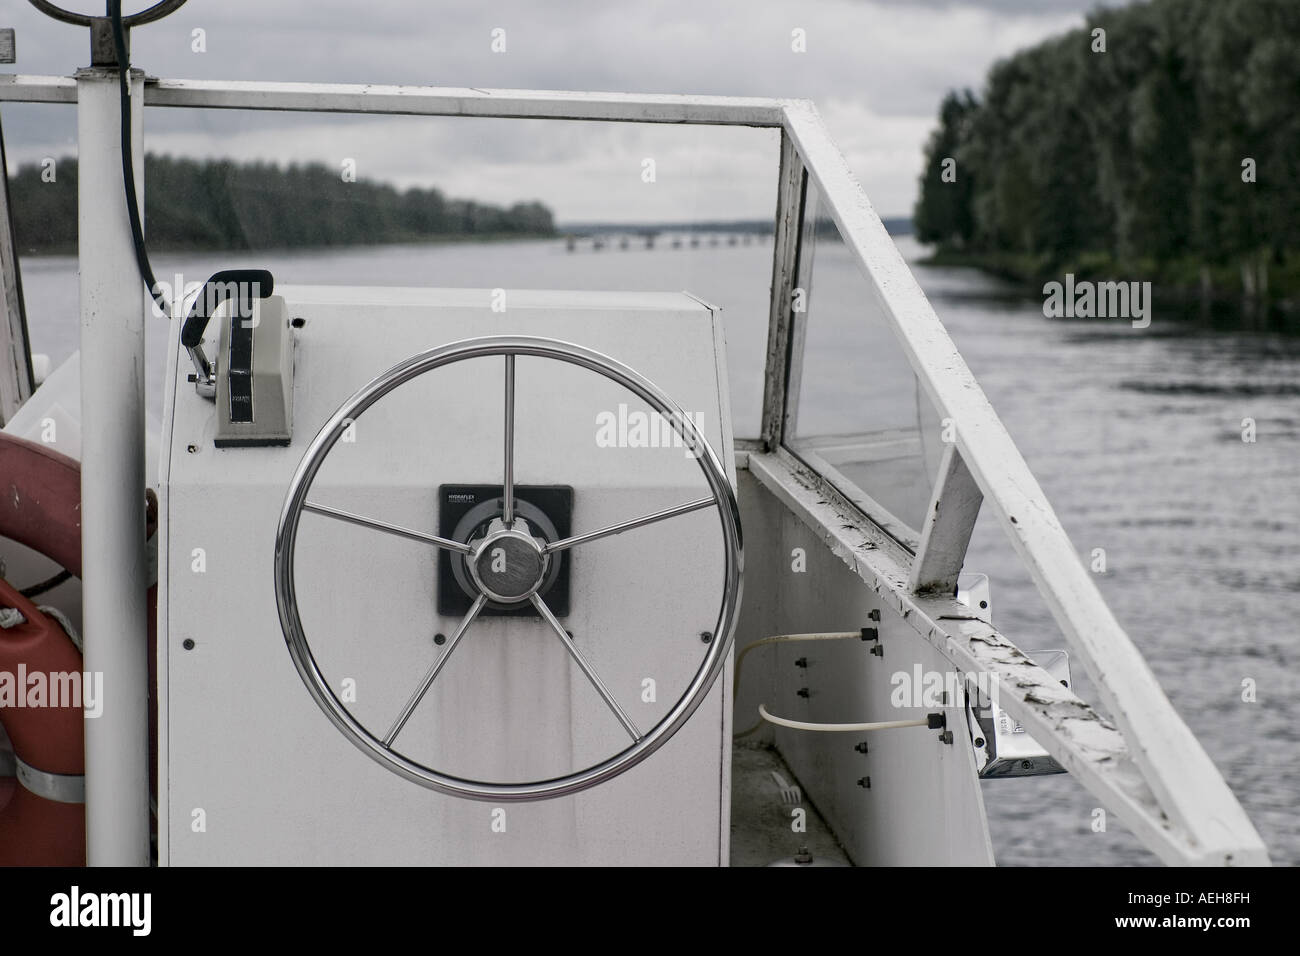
(441, 240)
(1180, 283)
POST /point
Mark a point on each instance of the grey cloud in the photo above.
(895, 60)
(1031, 7)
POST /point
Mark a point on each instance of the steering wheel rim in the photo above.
(643, 746)
(147, 15)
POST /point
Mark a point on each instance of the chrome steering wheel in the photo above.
(527, 556)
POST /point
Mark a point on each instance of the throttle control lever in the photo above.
(242, 286)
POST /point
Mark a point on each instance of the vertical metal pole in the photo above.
(785, 266)
(112, 477)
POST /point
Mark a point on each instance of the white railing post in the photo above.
(112, 478)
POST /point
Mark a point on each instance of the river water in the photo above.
(1136, 437)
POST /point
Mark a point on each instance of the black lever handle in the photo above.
(243, 285)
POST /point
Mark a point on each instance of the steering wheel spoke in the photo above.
(587, 669)
(432, 674)
(384, 526)
(577, 539)
(508, 481)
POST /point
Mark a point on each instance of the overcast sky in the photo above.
(876, 70)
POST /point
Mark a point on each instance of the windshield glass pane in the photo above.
(856, 413)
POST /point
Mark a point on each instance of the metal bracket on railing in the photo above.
(103, 51)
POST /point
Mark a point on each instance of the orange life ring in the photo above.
(40, 507)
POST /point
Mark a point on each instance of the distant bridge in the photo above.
(644, 237)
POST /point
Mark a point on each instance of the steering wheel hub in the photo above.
(508, 564)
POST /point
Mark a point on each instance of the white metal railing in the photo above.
(1193, 817)
(1189, 787)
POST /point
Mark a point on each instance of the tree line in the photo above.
(219, 205)
(1162, 138)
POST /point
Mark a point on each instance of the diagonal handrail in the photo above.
(1186, 782)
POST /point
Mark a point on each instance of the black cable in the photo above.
(48, 584)
(128, 167)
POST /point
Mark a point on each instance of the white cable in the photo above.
(838, 728)
(780, 639)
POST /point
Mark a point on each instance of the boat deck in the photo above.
(761, 818)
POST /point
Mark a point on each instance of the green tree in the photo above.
(943, 210)
(220, 204)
